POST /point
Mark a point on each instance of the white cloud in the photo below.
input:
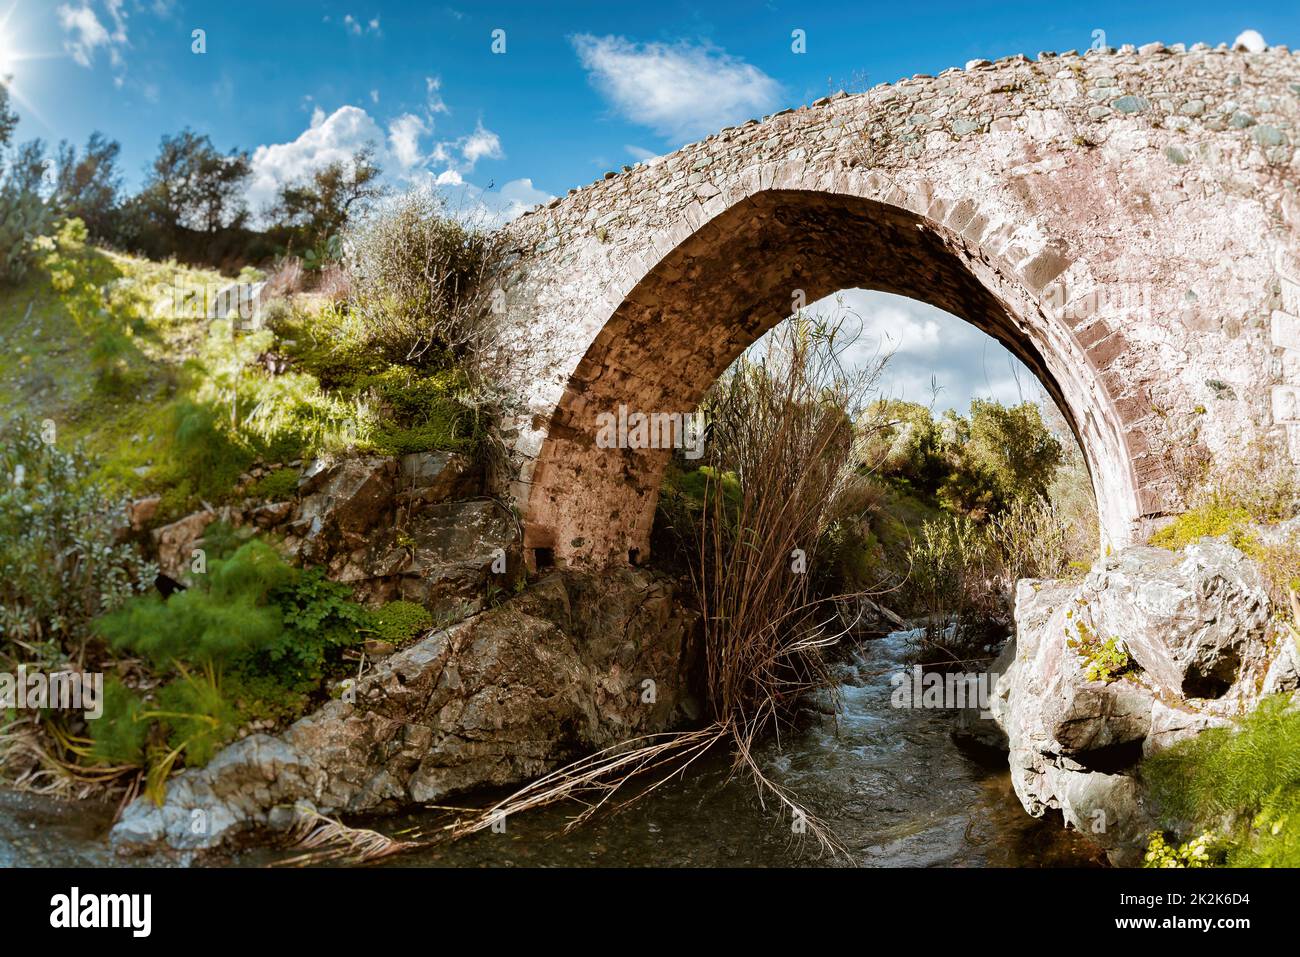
(489, 209)
(481, 144)
(329, 139)
(374, 97)
(639, 152)
(930, 348)
(433, 94)
(356, 27)
(521, 194)
(337, 136)
(404, 138)
(680, 90)
(85, 34)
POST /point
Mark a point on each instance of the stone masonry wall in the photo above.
(1126, 222)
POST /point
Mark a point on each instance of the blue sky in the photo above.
(581, 88)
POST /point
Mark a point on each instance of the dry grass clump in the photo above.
(419, 279)
(323, 839)
(781, 455)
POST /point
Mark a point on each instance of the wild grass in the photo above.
(417, 280)
(1242, 784)
(1257, 487)
(183, 405)
(781, 455)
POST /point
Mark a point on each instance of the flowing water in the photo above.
(889, 782)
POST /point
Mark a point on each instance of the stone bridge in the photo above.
(1125, 222)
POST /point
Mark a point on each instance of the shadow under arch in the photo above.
(731, 280)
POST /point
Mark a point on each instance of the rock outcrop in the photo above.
(571, 665)
(1196, 628)
(414, 527)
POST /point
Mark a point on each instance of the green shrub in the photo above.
(201, 460)
(1248, 776)
(120, 733)
(198, 718)
(253, 639)
(417, 273)
(24, 217)
(1103, 661)
(1032, 539)
(950, 582)
(317, 619)
(227, 613)
(277, 486)
(61, 563)
(1207, 521)
(1207, 850)
(400, 621)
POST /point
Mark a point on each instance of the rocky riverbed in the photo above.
(892, 783)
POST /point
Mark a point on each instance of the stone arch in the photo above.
(732, 279)
(1117, 219)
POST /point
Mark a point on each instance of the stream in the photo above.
(890, 783)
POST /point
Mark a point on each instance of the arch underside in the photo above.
(697, 310)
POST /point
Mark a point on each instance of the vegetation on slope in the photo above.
(119, 381)
(1232, 795)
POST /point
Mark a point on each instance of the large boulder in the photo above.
(341, 501)
(433, 477)
(1196, 627)
(572, 665)
(454, 555)
(1192, 621)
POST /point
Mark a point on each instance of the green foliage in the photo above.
(120, 733)
(102, 313)
(192, 185)
(228, 613)
(949, 570)
(1247, 776)
(419, 412)
(1032, 539)
(237, 413)
(1207, 521)
(86, 185)
(1103, 661)
(908, 445)
(400, 621)
(975, 465)
(318, 619)
(198, 718)
(1204, 851)
(276, 486)
(24, 215)
(253, 639)
(61, 563)
(1012, 445)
